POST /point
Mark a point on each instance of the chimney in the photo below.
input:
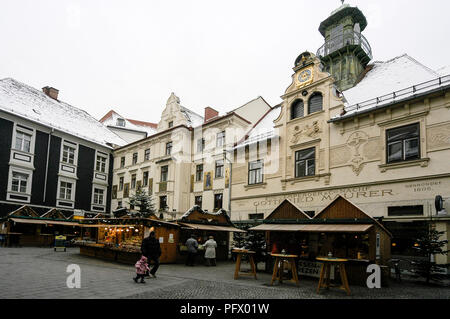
(51, 92)
(210, 113)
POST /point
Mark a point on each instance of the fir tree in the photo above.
(429, 245)
(144, 202)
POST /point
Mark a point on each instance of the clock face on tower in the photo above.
(304, 77)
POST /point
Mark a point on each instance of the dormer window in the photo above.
(170, 124)
(121, 122)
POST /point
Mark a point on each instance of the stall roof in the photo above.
(329, 228)
(213, 227)
(43, 222)
(107, 225)
(28, 221)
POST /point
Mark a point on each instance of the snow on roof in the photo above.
(264, 129)
(193, 118)
(25, 101)
(444, 70)
(129, 124)
(385, 78)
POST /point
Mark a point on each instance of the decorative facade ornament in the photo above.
(355, 141)
(311, 131)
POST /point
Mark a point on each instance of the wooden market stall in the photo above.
(120, 239)
(340, 229)
(24, 227)
(203, 224)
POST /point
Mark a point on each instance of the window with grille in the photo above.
(162, 202)
(200, 145)
(101, 164)
(65, 191)
(305, 162)
(133, 181)
(297, 109)
(23, 142)
(120, 122)
(68, 154)
(198, 201)
(315, 103)
(255, 172)
(169, 148)
(19, 182)
(218, 201)
(403, 143)
(121, 184)
(220, 141)
(164, 173)
(99, 195)
(219, 168)
(145, 179)
(199, 173)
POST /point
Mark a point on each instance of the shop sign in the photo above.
(312, 269)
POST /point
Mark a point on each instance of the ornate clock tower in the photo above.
(346, 51)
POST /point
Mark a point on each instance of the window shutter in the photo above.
(297, 109)
(315, 103)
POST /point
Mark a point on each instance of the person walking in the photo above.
(152, 250)
(141, 268)
(192, 246)
(210, 253)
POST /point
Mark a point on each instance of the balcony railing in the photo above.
(343, 40)
(397, 96)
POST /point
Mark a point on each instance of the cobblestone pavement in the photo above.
(41, 273)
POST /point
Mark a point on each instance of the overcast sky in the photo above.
(130, 55)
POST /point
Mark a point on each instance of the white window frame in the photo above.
(105, 163)
(17, 154)
(27, 194)
(23, 130)
(105, 194)
(72, 195)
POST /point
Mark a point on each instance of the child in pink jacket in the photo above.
(141, 269)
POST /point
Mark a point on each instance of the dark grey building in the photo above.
(52, 154)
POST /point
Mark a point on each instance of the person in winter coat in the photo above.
(152, 250)
(141, 268)
(192, 246)
(210, 252)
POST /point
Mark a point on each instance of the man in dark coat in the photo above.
(192, 246)
(152, 250)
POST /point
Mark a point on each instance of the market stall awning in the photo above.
(43, 222)
(325, 228)
(108, 226)
(212, 227)
(28, 221)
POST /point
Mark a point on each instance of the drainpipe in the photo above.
(46, 165)
(230, 181)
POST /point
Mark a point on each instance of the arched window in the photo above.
(297, 109)
(315, 103)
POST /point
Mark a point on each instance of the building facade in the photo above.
(53, 155)
(377, 134)
(128, 129)
(185, 162)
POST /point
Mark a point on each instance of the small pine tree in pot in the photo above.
(429, 245)
(144, 202)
